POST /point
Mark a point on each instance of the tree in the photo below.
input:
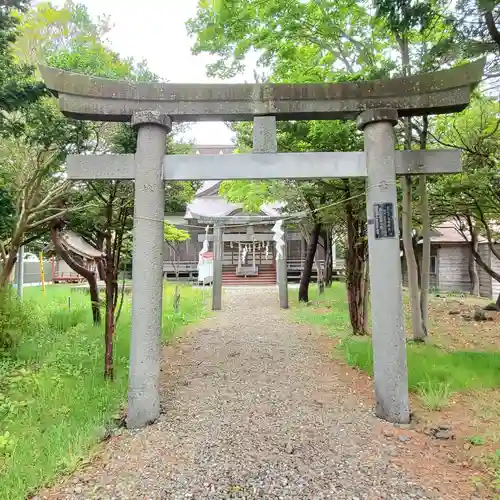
(36, 201)
(299, 38)
(41, 136)
(311, 41)
(18, 88)
(31, 172)
(477, 34)
(472, 198)
(46, 30)
(174, 237)
(423, 34)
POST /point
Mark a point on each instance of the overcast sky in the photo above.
(154, 30)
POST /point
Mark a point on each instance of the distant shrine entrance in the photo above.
(249, 247)
(375, 105)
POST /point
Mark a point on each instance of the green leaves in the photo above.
(317, 36)
(402, 16)
(476, 191)
(173, 234)
(251, 194)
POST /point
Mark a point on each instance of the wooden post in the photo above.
(217, 278)
(42, 273)
(254, 256)
(20, 271)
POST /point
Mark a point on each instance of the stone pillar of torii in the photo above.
(376, 105)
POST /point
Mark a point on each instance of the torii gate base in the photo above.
(376, 104)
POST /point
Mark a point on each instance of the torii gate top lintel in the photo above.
(91, 98)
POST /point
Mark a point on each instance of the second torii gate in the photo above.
(375, 105)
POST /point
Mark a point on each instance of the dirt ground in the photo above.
(453, 326)
(254, 407)
(472, 415)
(265, 370)
(472, 418)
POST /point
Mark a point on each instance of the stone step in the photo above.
(265, 273)
(249, 283)
(244, 283)
(252, 278)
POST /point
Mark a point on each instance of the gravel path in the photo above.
(250, 411)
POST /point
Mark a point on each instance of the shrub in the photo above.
(14, 320)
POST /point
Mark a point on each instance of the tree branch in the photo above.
(492, 29)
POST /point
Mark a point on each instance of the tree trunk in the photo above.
(110, 323)
(305, 278)
(426, 234)
(414, 244)
(473, 274)
(8, 267)
(328, 259)
(419, 333)
(319, 274)
(366, 295)
(82, 271)
(426, 253)
(101, 267)
(109, 329)
(355, 287)
(491, 25)
(355, 259)
(479, 260)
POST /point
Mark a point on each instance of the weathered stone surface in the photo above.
(390, 377)
(85, 97)
(217, 268)
(151, 117)
(263, 166)
(480, 315)
(265, 141)
(147, 277)
(377, 115)
(264, 135)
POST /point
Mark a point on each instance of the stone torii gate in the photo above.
(375, 105)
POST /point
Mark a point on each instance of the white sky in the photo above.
(154, 30)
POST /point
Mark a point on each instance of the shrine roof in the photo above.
(208, 187)
(76, 244)
(219, 207)
(450, 232)
(91, 98)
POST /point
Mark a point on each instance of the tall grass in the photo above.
(54, 403)
(432, 372)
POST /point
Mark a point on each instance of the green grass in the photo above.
(432, 372)
(476, 440)
(435, 395)
(54, 403)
